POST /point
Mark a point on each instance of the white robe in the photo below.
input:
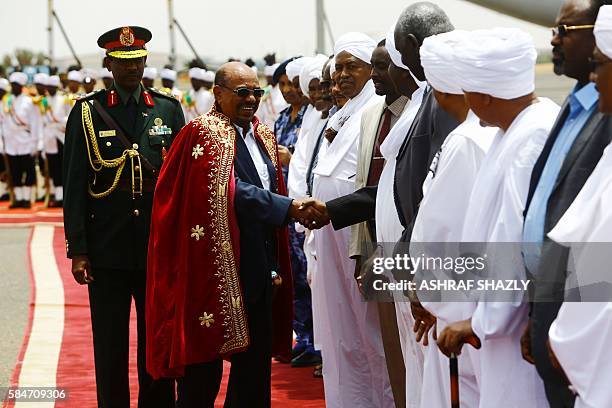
(389, 230)
(496, 215)
(446, 196)
(354, 369)
(585, 329)
(312, 124)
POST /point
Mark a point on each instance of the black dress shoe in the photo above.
(298, 349)
(281, 360)
(55, 204)
(15, 204)
(306, 359)
(26, 204)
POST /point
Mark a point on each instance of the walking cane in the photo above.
(454, 372)
(454, 381)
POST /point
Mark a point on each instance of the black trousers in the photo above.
(110, 300)
(23, 172)
(249, 379)
(557, 391)
(55, 165)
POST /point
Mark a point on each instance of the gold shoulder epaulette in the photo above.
(162, 92)
(82, 97)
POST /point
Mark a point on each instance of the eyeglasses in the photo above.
(562, 30)
(245, 92)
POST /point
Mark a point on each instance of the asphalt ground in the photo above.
(14, 297)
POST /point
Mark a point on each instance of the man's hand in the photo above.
(81, 269)
(423, 322)
(455, 335)
(306, 214)
(330, 134)
(526, 345)
(284, 154)
(313, 214)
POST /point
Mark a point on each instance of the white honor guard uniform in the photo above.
(171, 75)
(196, 103)
(55, 128)
(6, 87)
(22, 133)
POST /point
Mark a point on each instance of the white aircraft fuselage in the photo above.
(542, 12)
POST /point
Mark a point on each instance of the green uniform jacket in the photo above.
(113, 231)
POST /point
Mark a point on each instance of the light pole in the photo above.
(320, 28)
(172, 56)
(51, 55)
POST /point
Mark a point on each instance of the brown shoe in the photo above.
(318, 371)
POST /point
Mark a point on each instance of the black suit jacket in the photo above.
(259, 213)
(424, 139)
(576, 169)
(426, 135)
(548, 288)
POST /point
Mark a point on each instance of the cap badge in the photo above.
(126, 38)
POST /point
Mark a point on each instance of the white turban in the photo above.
(269, 69)
(498, 62)
(209, 76)
(197, 73)
(438, 60)
(75, 76)
(150, 73)
(395, 55)
(54, 81)
(358, 45)
(4, 85)
(294, 67)
(40, 78)
(105, 73)
(168, 74)
(19, 78)
(603, 30)
(313, 69)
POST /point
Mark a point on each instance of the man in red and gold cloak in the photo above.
(219, 282)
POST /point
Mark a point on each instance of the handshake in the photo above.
(309, 212)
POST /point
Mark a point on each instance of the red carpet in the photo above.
(75, 367)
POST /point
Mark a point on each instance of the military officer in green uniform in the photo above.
(116, 140)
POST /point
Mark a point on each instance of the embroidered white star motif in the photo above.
(197, 151)
(197, 232)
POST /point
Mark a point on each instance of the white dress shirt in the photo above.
(256, 156)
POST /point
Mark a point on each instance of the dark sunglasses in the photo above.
(562, 30)
(245, 92)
